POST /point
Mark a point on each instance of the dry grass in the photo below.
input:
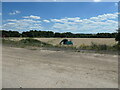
(77, 41)
(80, 41)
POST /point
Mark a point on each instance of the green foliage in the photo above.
(38, 34)
(48, 34)
(10, 33)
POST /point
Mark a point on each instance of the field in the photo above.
(77, 41)
(58, 68)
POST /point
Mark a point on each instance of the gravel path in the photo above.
(58, 69)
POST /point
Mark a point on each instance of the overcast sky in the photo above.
(82, 17)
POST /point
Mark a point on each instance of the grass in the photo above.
(25, 43)
(77, 41)
(33, 43)
(99, 47)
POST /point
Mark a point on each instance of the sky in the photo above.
(60, 0)
(75, 17)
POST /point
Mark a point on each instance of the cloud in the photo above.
(100, 23)
(32, 17)
(22, 24)
(105, 17)
(59, 20)
(73, 19)
(12, 20)
(64, 20)
(67, 20)
(47, 21)
(15, 12)
(116, 4)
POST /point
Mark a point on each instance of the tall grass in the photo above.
(36, 43)
(99, 47)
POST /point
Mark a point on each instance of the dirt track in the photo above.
(58, 69)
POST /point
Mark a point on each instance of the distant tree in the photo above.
(10, 33)
(48, 34)
(68, 34)
(5, 33)
(14, 34)
(57, 34)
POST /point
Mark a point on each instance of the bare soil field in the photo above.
(77, 41)
(43, 68)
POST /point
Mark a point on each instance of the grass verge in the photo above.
(25, 43)
(33, 43)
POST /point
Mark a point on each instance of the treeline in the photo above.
(49, 34)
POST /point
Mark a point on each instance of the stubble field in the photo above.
(77, 41)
